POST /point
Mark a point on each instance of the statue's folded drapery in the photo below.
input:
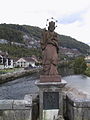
(49, 45)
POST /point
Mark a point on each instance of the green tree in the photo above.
(79, 65)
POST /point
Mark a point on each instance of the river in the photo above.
(18, 88)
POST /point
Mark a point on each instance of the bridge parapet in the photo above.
(77, 104)
(16, 109)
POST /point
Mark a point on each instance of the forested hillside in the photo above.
(28, 38)
(17, 51)
(67, 41)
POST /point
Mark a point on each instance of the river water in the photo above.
(18, 88)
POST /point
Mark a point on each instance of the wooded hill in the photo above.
(25, 35)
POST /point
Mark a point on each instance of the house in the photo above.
(25, 62)
(69, 52)
(9, 63)
(5, 61)
(1, 62)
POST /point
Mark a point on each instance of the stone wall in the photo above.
(76, 104)
(16, 109)
(17, 74)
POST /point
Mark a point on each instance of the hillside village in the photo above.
(30, 36)
(20, 46)
(8, 62)
(30, 62)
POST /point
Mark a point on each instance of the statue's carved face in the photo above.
(51, 27)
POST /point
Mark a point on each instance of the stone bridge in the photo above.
(76, 106)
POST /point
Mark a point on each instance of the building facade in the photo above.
(25, 62)
(5, 62)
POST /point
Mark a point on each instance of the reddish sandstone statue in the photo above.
(49, 45)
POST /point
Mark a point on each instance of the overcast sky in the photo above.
(73, 15)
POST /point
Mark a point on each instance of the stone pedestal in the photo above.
(50, 78)
(51, 99)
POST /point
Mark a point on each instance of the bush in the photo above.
(87, 72)
(79, 66)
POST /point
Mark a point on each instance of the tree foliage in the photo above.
(79, 65)
(87, 72)
(16, 51)
(68, 42)
(10, 34)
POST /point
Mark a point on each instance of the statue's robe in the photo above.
(49, 45)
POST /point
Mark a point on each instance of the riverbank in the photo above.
(17, 74)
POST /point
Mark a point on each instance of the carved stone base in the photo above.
(51, 100)
(50, 78)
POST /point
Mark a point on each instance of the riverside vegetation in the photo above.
(77, 66)
(87, 72)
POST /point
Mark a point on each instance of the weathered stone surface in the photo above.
(50, 87)
(59, 117)
(10, 76)
(16, 109)
(6, 104)
(50, 114)
(21, 104)
(51, 84)
(86, 113)
(77, 104)
(16, 115)
(79, 99)
(28, 98)
(50, 78)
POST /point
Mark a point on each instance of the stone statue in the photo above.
(49, 45)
